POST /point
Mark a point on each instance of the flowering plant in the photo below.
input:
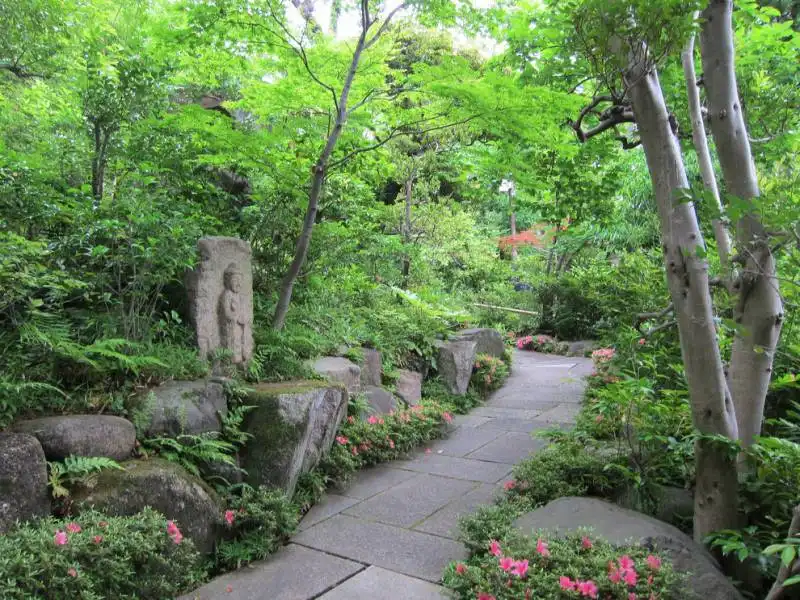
(542, 343)
(488, 374)
(575, 567)
(142, 556)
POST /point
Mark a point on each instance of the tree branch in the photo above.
(19, 71)
(785, 571)
(384, 26)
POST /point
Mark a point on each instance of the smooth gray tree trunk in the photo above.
(759, 311)
(687, 278)
(704, 156)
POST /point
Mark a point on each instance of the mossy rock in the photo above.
(293, 425)
(163, 485)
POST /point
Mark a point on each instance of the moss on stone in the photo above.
(274, 390)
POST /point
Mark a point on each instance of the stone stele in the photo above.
(221, 298)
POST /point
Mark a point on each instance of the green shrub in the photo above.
(103, 557)
(488, 374)
(259, 521)
(551, 568)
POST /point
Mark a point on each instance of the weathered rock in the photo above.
(581, 347)
(455, 362)
(222, 473)
(293, 426)
(620, 525)
(23, 480)
(488, 341)
(164, 486)
(221, 298)
(189, 407)
(674, 505)
(371, 367)
(382, 401)
(409, 386)
(342, 370)
(82, 435)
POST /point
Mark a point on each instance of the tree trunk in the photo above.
(759, 311)
(704, 156)
(687, 278)
(406, 267)
(317, 186)
(99, 160)
(513, 219)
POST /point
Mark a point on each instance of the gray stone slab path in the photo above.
(393, 530)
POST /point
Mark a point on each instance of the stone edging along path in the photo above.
(392, 531)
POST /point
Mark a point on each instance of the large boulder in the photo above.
(621, 525)
(381, 401)
(488, 341)
(409, 386)
(455, 362)
(293, 426)
(581, 347)
(371, 368)
(163, 485)
(183, 407)
(23, 480)
(339, 369)
(82, 435)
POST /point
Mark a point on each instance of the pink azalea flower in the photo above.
(103, 524)
(354, 451)
(587, 588)
(598, 419)
(391, 444)
(494, 548)
(229, 516)
(461, 568)
(629, 576)
(427, 450)
(631, 596)
(447, 417)
(626, 562)
(381, 421)
(73, 527)
(566, 583)
(177, 538)
(172, 529)
(351, 419)
(642, 341)
(60, 538)
(485, 596)
(653, 562)
(373, 420)
(510, 485)
(520, 568)
(72, 572)
(541, 548)
(586, 543)
(340, 439)
(649, 580)
(614, 575)
(97, 539)
(506, 563)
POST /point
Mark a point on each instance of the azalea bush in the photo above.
(488, 374)
(257, 522)
(95, 556)
(542, 343)
(558, 568)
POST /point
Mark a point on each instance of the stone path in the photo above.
(392, 531)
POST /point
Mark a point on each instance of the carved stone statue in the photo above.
(234, 327)
(221, 298)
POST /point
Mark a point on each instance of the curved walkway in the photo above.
(393, 530)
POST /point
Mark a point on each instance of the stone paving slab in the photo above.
(293, 573)
(498, 412)
(458, 468)
(510, 448)
(329, 505)
(563, 413)
(536, 399)
(411, 501)
(379, 584)
(374, 480)
(410, 552)
(445, 521)
(470, 420)
(506, 424)
(464, 440)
